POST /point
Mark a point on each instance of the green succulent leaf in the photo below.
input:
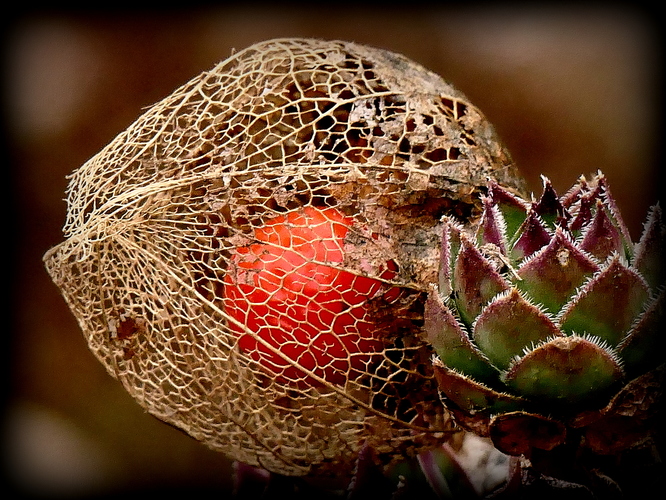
(614, 212)
(449, 251)
(475, 281)
(644, 347)
(509, 325)
(441, 471)
(601, 238)
(512, 208)
(533, 236)
(583, 211)
(651, 248)
(451, 343)
(549, 207)
(552, 275)
(470, 395)
(492, 228)
(578, 191)
(568, 369)
(608, 304)
(547, 308)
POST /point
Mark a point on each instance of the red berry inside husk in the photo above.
(290, 293)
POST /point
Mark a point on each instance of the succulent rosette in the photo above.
(546, 321)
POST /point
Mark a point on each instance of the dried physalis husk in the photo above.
(250, 257)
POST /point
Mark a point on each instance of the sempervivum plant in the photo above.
(546, 319)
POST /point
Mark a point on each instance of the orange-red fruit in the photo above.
(288, 291)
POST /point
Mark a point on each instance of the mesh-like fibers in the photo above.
(250, 257)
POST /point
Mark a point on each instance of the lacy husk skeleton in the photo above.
(154, 221)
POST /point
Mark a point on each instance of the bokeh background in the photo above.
(569, 89)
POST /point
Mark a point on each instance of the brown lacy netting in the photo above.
(171, 229)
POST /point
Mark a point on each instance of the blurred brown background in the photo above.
(570, 90)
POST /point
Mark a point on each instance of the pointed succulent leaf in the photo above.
(433, 463)
(651, 248)
(442, 470)
(584, 207)
(509, 325)
(600, 237)
(616, 217)
(644, 347)
(533, 236)
(512, 208)
(492, 228)
(583, 212)
(567, 369)
(581, 202)
(549, 207)
(475, 281)
(451, 343)
(579, 190)
(608, 304)
(551, 276)
(470, 395)
(449, 251)
(516, 433)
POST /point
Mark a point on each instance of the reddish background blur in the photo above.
(570, 90)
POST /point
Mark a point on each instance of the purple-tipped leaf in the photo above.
(452, 345)
(608, 304)
(601, 238)
(470, 395)
(533, 237)
(549, 207)
(614, 211)
(584, 212)
(492, 228)
(448, 253)
(651, 249)
(443, 463)
(644, 347)
(566, 369)
(512, 208)
(552, 275)
(475, 281)
(509, 325)
(575, 193)
(433, 464)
